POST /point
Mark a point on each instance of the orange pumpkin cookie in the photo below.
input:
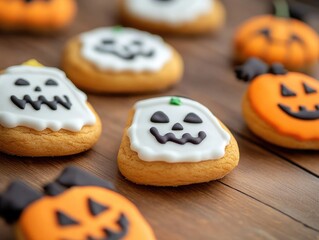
(36, 15)
(173, 16)
(281, 107)
(276, 39)
(76, 206)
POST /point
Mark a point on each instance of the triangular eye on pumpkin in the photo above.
(295, 38)
(82, 211)
(308, 89)
(95, 207)
(64, 220)
(282, 107)
(286, 92)
(279, 39)
(266, 32)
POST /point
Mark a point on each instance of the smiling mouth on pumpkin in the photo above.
(302, 114)
(36, 104)
(170, 137)
(123, 223)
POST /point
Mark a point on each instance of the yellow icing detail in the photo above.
(32, 63)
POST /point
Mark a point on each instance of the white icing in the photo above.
(123, 38)
(12, 116)
(172, 12)
(149, 149)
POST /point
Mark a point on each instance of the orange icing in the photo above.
(37, 14)
(39, 222)
(296, 55)
(264, 95)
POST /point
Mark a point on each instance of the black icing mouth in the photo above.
(170, 137)
(53, 105)
(302, 114)
(128, 56)
(123, 223)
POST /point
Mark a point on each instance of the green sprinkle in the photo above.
(175, 101)
(117, 28)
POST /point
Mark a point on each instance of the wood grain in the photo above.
(273, 194)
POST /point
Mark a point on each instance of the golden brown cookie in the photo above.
(43, 114)
(121, 60)
(171, 141)
(77, 205)
(178, 16)
(36, 16)
(281, 107)
(270, 134)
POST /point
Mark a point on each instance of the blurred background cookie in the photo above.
(173, 16)
(278, 38)
(35, 15)
(121, 60)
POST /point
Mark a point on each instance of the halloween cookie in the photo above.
(173, 16)
(76, 205)
(172, 141)
(36, 15)
(121, 60)
(276, 39)
(281, 107)
(43, 114)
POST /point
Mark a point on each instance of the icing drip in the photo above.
(29, 98)
(187, 132)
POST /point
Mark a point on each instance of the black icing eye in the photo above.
(266, 33)
(108, 41)
(21, 82)
(286, 92)
(159, 117)
(192, 118)
(95, 207)
(295, 38)
(308, 89)
(65, 220)
(137, 42)
(51, 82)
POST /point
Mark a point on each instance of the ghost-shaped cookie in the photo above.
(124, 49)
(41, 98)
(176, 130)
(169, 11)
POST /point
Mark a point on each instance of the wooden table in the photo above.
(272, 194)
